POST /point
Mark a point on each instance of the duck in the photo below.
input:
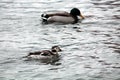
(46, 55)
(63, 17)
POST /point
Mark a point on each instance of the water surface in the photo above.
(91, 49)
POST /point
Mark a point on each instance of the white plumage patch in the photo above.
(39, 57)
(61, 19)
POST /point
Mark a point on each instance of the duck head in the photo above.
(55, 49)
(76, 12)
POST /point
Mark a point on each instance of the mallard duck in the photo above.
(45, 54)
(63, 17)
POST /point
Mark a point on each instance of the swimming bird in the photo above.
(63, 17)
(49, 55)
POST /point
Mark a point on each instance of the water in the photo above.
(91, 49)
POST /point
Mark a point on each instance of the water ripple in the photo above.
(91, 48)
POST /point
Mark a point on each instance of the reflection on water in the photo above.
(91, 49)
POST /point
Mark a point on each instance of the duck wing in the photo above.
(46, 53)
(34, 53)
(43, 53)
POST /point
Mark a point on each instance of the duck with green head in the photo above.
(63, 17)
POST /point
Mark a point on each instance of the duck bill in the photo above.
(82, 16)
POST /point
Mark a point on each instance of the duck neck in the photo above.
(75, 19)
(54, 52)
